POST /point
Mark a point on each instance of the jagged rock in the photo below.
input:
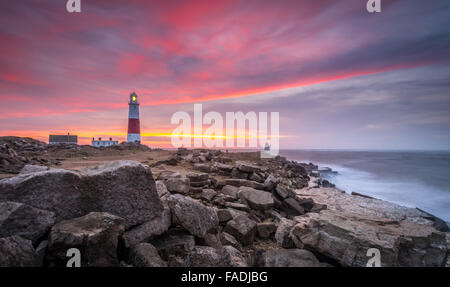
(170, 245)
(16, 251)
(270, 183)
(122, 188)
(244, 182)
(282, 192)
(177, 185)
(345, 237)
(282, 235)
(256, 199)
(161, 188)
(242, 228)
(266, 229)
(145, 255)
(247, 167)
(255, 177)
(192, 215)
(291, 258)
(24, 220)
(149, 229)
(224, 215)
(95, 235)
(230, 190)
(205, 256)
(306, 203)
(228, 239)
(233, 257)
(208, 194)
(291, 206)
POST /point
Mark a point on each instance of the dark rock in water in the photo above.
(242, 228)
(96, 235)
(16, 251)
(192, 214)
(256, 199)
(282, 235)
(345, 238)
(291, 258)
(123, 188)
(146, 255)
(24, 220)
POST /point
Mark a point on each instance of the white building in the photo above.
(100, 143)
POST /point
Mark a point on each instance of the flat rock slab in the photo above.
(347, 237)
(242, 228)
(123, 188)
(256, 199)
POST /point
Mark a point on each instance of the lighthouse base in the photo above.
(134, 138)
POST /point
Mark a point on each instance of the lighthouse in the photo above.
(134, 129)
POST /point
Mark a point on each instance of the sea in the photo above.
(410, 178)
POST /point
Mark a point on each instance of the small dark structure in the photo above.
(63, 139)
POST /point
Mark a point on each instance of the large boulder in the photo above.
(256, 199)
(290, 258)
(346, 238)
(24, 220)
(123, 188)
(95, 235)
(242, 228)
(16, 251)
(195, 217)
(145, 255)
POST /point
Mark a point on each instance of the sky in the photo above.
(339, 77)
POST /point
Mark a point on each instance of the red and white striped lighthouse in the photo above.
(134, 129)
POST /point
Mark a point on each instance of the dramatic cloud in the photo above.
(61, 71)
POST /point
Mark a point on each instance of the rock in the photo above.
(256, 199)
(166, 174)
(205, 256)
(201, 183)
(282, 235)
(95, 235)
(255, 177)
(345, 237)
(231, 191)
(306, 203)
(233, 257)
(210, 239)
(242, 228)
(122, 188)
(238, 206)
(247, 167)
(228, 239)
(161, 188)
(236, 173)
(41, 250)
(266, 229)
(146, 255)
(291, 206)
(244, 182)
(170, 245)
(208, 194)
(270, 183)
(223, 167)
(16, 251)
(193, 215)
(203, 167)
(149, 229)
(282, 191)
(197, 177)
(30, 168)
(291, 258)
(24, 220)
(224, 215)
(177, 185)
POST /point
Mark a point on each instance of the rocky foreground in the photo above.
(205, 208)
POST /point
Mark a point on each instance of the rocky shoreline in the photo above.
(201, 208)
